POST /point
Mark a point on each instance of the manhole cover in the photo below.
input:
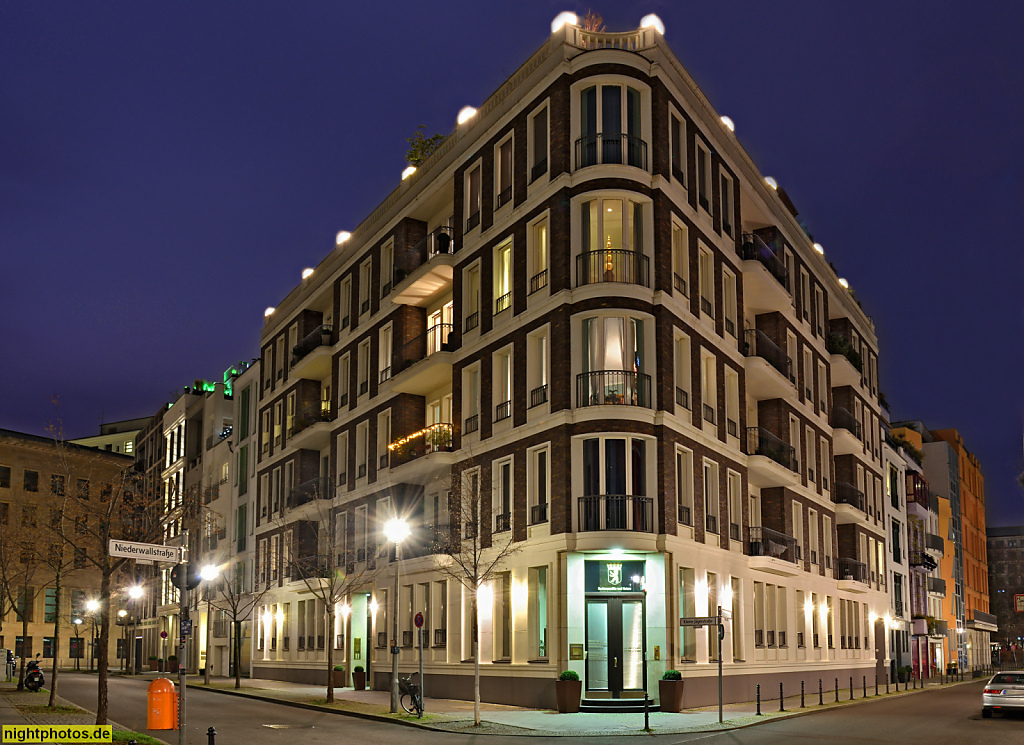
(289, 726)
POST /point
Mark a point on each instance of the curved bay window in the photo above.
(604, 109)
(613, 363)
(612, 240)
(615, 485)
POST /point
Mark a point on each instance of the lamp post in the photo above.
(121, 615)
(396, 530)
(208, 573)
(134, 593)
(78, 644)
(92, 606)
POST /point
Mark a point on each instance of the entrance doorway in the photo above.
(615, 644)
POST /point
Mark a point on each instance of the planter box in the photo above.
(154, 665)
(568, 694)
(338, 678)
(172, 666)
(359, 680)
(671, 694)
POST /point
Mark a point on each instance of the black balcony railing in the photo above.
(843, 419)
(503, 522)
(934, 542)
(318, 488)
(472, 424)
(762, 442)
(313, 414)
(682, 398)
(472, 321)
(711, 524)
(613, 265)
(611, 148)
(846, 493)
(851, 569)
(680, 285)
(385, 374)
(503, 303)
(539, 395)
(685, 515)
(364, 307)
(435, 438)
(616, 512)
(734, 532)
(503, 411)
(767, 542)
(504, 197)
(440, 637)
(321, 336)
(434, 339)
(753, 248)
(538, 514)
(709, 413)
(706, 307)
(616, 387)
(839, 344)
(937, 586)
(539, 169)
(539, 281)
(732, 427)
(473, 221)
(757, 344)
(438, 241)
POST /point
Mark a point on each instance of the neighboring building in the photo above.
(592, 311)
(1006, 582)
(115, 437)
(36, 477)
(898, 550)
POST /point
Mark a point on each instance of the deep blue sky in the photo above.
(168, 169)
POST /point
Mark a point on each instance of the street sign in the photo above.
(145, 551)
(418, 620)
(1018, 603)
(163, 634)
(186, 627)
(701, 621)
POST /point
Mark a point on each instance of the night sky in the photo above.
(168, 169)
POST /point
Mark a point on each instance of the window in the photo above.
(794, 440)
(502, 495)
(732, 403)
(265, 432)
(798, 529)
(612, 243)
(344, 380)
(736, 618)
(538, 611)
(537, 367)
(711, 488)
(502, 363)
(343, 456)
(538, 133)
(684, 485)
(57, 485)
(289, 414)
(384, 354)
(687, 609)
(471, 399)
(473, 198)
(613, 363)
(539, 485)
(5, 477)
(364, 367)
(503, 277)
(897, 551)
(538, 255)
(503, 173)
(242, 527)
(682, 365)
(49, 605)
(817, 312)
(603, 110)
(805, 296)
(383, 438)
(729, 300)
(808, 374)
(360, 533)
(387, 268)
(472, 299)
(822, 388)
(735, 497)
(703, 177)
(826, 537)
(826, 463)
(712, 605)
(706, 280)
(812, 459)
(615, 467)
(727, 209)
(812, 533)
(680, 260)
(364, 286)
(677, 139)
(31, 480)
(278, 424)
(709, 386)
(345, 304)
(362, 449)
(893, 486)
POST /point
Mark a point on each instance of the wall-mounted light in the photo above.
(818, 247)
(771, 182)
(465, 114)
(652, 21)
(374, 606)
(844, 284)
(409, 171)
(564, 18)
(341, 237)
(728, 124)
(269, 312)
(307, 273)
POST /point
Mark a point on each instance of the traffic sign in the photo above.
(701, 621)
(1018, 603)
(145, 551)
(163, 634)
(418, 620)
(186, 627)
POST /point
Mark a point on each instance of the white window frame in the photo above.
(680, 259)
(499, 167)
(503, 278)
(473, 195)
(677, 148)
(684, 483)
(531, 141)
(538, 253)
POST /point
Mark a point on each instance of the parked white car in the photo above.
(1003, 691)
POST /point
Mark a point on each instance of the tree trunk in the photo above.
(329, 633)
(236, 652)
(26, 603)
(56, 637)
(102, 663)
(475, 644)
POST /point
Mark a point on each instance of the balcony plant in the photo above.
(670, 691)
(359, 678)
(339, 676)
(568, 689)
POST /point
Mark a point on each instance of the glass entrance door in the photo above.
(615, 639)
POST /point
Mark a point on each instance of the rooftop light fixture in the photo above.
(341, 237)
(728, 124)
(307, 273)
(465, 114)
(844, 284)
(564, 18)
(269, 312)
(408, 172)
(771, 182)
(652, 21)
(819, 249)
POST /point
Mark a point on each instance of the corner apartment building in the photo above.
(589, 309)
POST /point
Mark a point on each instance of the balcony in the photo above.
(611, 148)
(431, 278)
(934, 544)
(425, 362)
(923, 560)
(936, 587)
(539, 395)
(319, 488)
(416, 457)
(772, 552)
(846, 434)
(503, 522)
(616, 512)
(311, 357)
(538, 514)
(770, 461)
(765, 277)
(982, 621)
(839, 346)
(853, 575)
(613, 265)
(768, 368)
(614, 388)
(312, 427)
(849, 503)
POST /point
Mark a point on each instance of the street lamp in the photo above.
(134, 593)
(396, 530)
(208, 573)
(92, 606)
(121, 614)
(78, 644)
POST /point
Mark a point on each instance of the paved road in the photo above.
(951, 715)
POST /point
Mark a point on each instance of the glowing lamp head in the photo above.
(728, 124)
(209, 572)
(77, 622)
(346, 609)
(818, 247)
(122, 613)
(565, 18)
(396, 530)
(872, 617)
(771, 182)
(92, 605)
(823, 610)
(844, 284)
(652, 21)
(135, 592)
(465, 114)
(307, 273)
(409, 171)
(373, 606)
(341, 237)
(269, 312)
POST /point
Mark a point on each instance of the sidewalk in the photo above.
(457, 716)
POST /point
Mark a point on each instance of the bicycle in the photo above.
(411, 698)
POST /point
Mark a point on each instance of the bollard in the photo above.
(782, 698)
(211, 735)
(886, 681)
(821, 702)
(876, 684)
(758, 699)
(802, 695)
(863, 682)
(837, 690)
(851, 688)
(647, 714)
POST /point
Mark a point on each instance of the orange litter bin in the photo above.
(162, 700)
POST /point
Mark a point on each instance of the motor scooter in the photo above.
(34, 679)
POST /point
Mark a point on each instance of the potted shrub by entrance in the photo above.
(338, 676)
(568, 688)
(160, 664)
(172, 664)
(359, 678)
(154, 663)
(903, 673)
(670, 689)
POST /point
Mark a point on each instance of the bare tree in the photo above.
(318, 555)
(473, 553)
(21, 579)
(232, 598)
